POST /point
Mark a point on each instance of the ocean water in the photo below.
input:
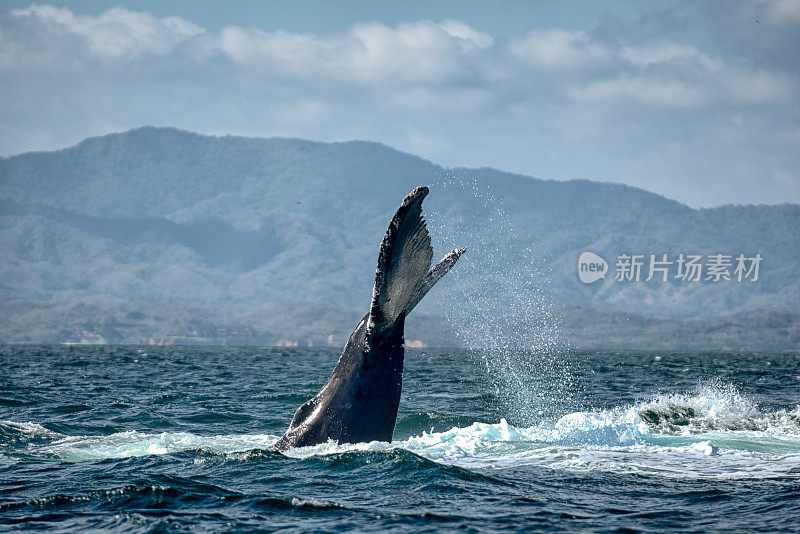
(149, 440)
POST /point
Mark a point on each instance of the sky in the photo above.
(698, 101)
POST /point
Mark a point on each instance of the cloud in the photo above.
(556, 48)
(763, 33)
(652, 92)
(116, 34)
(781, 11)
(673, 74)
(422, 52)
(666, 53)
(421, 55)
(554, 102)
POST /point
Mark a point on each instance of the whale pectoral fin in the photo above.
(403, 262)
(433, 276)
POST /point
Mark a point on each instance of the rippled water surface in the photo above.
(141, 440)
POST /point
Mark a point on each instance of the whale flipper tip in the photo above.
(418, 193)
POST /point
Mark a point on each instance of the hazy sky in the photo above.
(698, 101)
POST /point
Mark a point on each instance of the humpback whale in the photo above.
(360, 400)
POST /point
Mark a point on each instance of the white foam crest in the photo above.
(28, 431)
(132, 443)
(595, 441)
(331, 447)
(714, 432)
(783, 422)
(577, 442)
(308, 502)
(714, 407)
(601, 441)
(30, 428)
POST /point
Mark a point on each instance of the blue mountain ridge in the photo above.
(163, 215)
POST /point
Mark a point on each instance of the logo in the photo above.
(680, 268)
(591, 267)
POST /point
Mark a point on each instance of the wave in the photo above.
(176, 491)
(713, 408)
(15, 433)
(713, 432)
(133, 443)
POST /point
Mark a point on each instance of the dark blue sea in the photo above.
(175, 439)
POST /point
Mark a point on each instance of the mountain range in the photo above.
(158, 215)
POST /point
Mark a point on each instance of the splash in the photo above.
(501, 301)
(714, 407)
(713, 432)
(717, 442)
(132, 443)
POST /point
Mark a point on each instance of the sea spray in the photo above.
(501, 302)
(744, 441)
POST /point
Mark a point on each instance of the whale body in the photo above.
(359, 402)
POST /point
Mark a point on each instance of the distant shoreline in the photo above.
(316, 325)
